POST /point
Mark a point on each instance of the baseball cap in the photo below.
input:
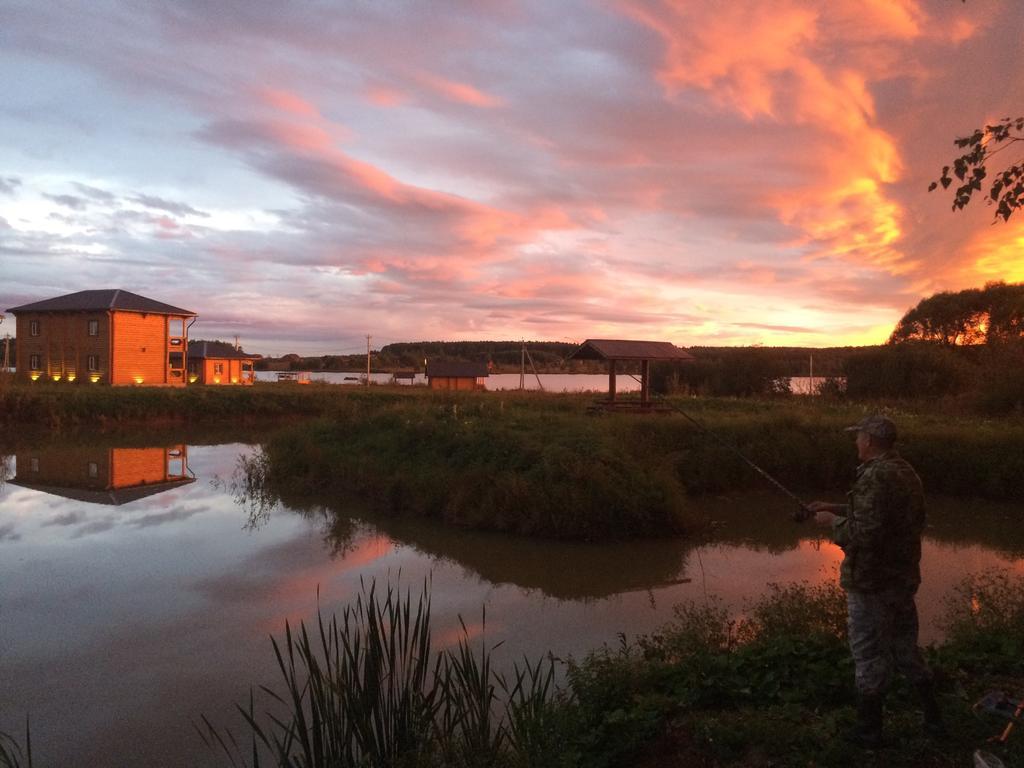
(876, 425)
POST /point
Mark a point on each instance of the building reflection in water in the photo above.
(103, 475)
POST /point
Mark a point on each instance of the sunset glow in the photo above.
(701, 172)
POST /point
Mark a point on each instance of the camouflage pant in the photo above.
(883, 636)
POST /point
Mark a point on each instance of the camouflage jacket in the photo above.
(880, 535)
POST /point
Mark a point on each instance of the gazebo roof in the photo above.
(620, 349)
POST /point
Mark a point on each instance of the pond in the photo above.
(137, 594)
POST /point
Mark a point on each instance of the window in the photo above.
(33, 327)
(176, 360)
(33, 464)
(94, 327)
(93, 363)
(94, 469)
(176, 326)
(218, 369)
(33, 363)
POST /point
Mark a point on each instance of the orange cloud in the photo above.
(995, 253)
(771, 62)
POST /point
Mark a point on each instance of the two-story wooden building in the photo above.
(100, 475)
(217, 362)
(104, 337)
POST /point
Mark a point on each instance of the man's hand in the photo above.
(824, 512)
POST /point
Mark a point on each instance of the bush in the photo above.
(909, 370)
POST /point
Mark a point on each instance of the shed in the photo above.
(464, 376)
(108, 336)
(217, 362)
(616, 350)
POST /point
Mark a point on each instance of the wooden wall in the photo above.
(140, 349)
(130, 467)
(131, 348)
(454, 382)
(63, 345)
(231, 372)
(67, 468)
(115, 467)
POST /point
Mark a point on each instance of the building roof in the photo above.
(619, 349)
(450, 370)
(106, 299)
(113, 496)
(217, 349)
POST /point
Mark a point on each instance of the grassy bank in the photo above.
(541, 466)
(67, 407)
(773, 688)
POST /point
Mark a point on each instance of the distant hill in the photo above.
(551, 356)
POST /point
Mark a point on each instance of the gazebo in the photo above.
(615, 350)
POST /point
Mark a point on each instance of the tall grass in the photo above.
(368, 690)
(541, 467)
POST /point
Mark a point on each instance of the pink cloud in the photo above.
(462, 93)
(286, 101)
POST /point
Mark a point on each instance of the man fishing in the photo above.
(879, 530)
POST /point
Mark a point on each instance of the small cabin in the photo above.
(100, 475)
(459, 376)
(218, 363)
(111, 336)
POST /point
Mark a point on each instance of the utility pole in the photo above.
(367, 359)
(236, 343)
(522, 368)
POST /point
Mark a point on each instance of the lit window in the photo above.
(33, 363)
(94, 327)
(33, 327)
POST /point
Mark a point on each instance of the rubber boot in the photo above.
(867, 733)
(934, 724)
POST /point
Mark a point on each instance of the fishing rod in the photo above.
(802, 514)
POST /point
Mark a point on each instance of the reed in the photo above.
(368, 690)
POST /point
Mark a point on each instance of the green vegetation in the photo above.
(505, 355)
(529, 465)
(540, 466)
(776, 688)
(990, 315)
(771, 688)
(62, 407)
(368, 691)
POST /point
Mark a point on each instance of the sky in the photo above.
(302, 175)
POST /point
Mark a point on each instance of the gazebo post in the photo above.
(645, 383)
(611, 381)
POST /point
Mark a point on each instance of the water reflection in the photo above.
(142, 617)
(102, 475)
